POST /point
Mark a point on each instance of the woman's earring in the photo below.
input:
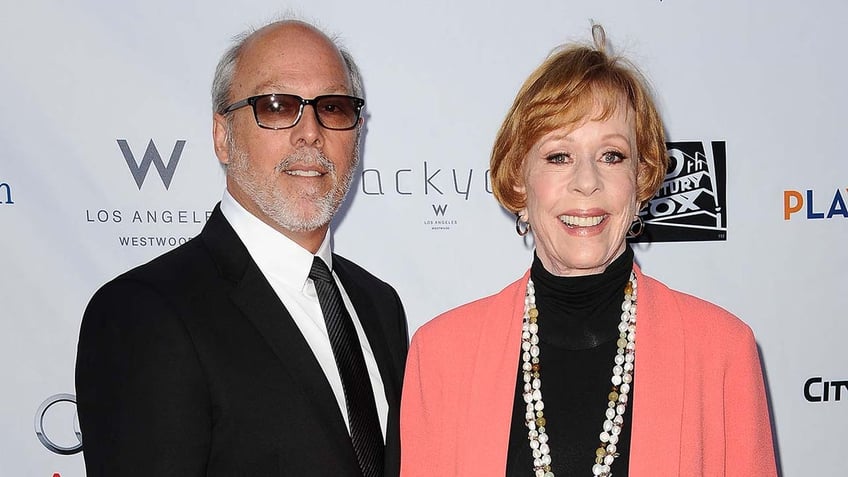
(521, 227)
(636, 227)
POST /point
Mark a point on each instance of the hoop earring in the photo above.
(636, 227)
(518, 229)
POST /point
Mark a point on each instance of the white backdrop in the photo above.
(765, 78)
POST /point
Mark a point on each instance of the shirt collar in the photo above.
(277, 256)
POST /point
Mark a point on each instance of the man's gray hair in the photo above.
(224, 72)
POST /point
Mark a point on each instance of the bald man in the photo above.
(227, 355)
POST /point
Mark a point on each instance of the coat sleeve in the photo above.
(142, 399)
(750, 449)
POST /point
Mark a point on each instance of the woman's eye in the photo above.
(612, 157)
(558, 158)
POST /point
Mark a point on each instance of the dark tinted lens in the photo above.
(337, 111)
(277, 110)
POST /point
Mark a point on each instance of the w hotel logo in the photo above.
(690, 205)
(151, 156)
(5, 193)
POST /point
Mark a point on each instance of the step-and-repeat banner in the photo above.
(106, 161)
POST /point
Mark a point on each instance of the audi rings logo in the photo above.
(57, 418)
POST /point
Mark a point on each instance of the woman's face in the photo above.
(581, 193)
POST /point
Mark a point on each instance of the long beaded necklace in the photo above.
(622, 377)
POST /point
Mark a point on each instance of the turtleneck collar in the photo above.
(580, 312)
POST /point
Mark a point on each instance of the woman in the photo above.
(558, 374)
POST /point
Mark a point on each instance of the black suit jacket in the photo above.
(190, 365)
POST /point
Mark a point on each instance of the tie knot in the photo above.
(320, 271)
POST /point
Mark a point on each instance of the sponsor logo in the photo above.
(122, 218)
(6, 193)
(445, 186)
(815, 204)
(816, 389)
(58, 413)
(690, 205)
(151, 156)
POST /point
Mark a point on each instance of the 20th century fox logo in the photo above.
(690, 205)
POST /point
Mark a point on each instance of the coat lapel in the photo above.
(658, 382)
(492, 388)
(370, 319)
(256, 299)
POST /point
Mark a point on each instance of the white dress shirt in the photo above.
(286, 266)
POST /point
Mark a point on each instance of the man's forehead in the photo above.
(268, 65)
(280, 85)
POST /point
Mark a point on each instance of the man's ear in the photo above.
(219, 138)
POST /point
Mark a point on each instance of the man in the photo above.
(225, 357)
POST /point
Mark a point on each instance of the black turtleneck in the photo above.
(578, 328)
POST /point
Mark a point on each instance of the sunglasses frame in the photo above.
(358, 104)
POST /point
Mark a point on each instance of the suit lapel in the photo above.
(370, 319)
(256, 299)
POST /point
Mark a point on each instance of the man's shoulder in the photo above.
(354, 272)
(176, 271)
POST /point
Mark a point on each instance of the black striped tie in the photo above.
(365, 430)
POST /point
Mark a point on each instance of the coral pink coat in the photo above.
(699, 408)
